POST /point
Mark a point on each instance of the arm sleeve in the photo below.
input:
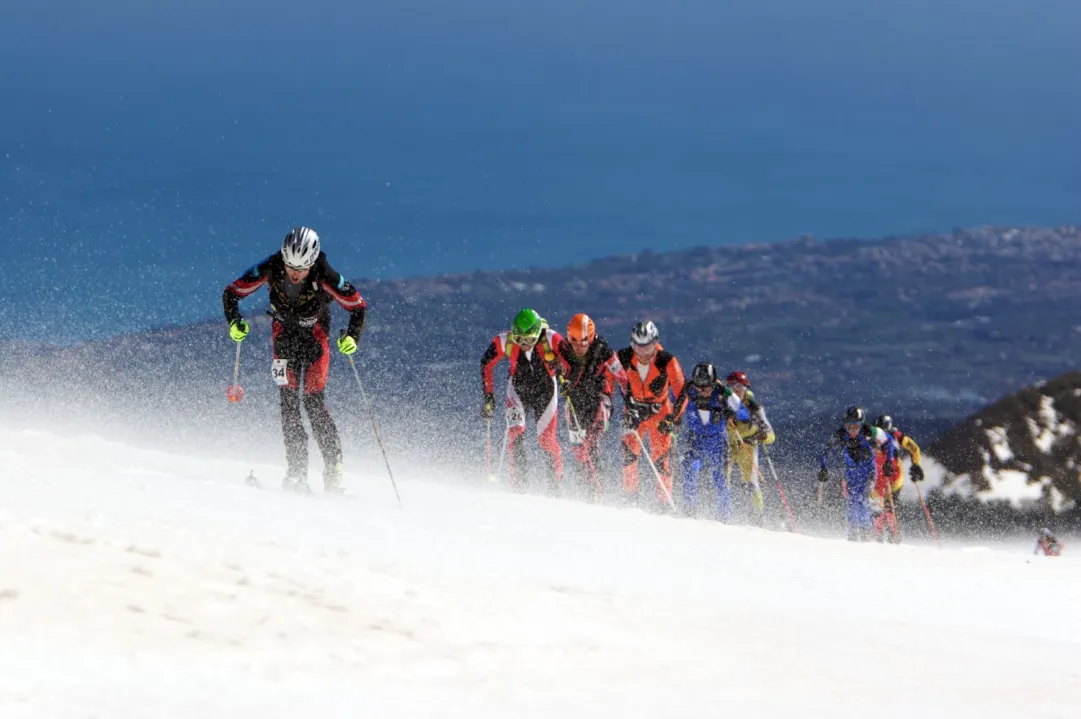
(614, 374)
(823, 456)
(495, 352)
(910, 446)
(559, 348)
(347, 296)
(681, 401)
(764, 426)
(883, 439)
(737, 410)
(243, 286)
(676, 379)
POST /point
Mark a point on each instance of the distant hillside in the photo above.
(929, 328)
(1024, 450)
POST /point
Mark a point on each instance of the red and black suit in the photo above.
(300, 333)
(531, 385)
(588, 386)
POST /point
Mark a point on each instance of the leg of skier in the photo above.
(718, 458)
(690, 468)
(544, 409)
(323, 427)
(515, 415)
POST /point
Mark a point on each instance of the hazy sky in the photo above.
(150, 151)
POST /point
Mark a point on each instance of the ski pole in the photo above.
(502, 453)
(375, 429)
(780, 489)
(888, 489)
(927, 514)
(488, 451)
(578, 427)
(656, 474)
(235, 393)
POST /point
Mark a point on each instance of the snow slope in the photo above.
(139, 584)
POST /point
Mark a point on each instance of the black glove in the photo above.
(633, 413)
(489, 406)
(823, 475)
(916, 473)
(666, 426)
(889, 470)
(564, 387)
(752, 405)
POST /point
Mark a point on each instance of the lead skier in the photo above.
(302, 284)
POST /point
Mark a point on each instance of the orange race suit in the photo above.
(652, 390)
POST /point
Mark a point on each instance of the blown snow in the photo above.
(135, 583)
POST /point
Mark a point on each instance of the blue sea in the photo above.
(152, 151)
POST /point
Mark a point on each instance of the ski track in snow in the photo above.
(134, 583)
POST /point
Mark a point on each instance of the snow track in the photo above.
(135, 583)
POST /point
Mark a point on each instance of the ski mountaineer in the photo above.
(535, 354)
(1048, 544)
(858, 440)
(886, 514)
(745, 438)
(587, 388)
(302, 285)
(709, 407)
(653, 379)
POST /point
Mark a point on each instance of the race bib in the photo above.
(515, 415)
(279, 370)
(577, 436)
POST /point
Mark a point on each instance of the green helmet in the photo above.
(527, 325)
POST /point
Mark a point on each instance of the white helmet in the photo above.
(644, 333)
(300, 249)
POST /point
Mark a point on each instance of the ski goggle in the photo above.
(853, 425)
(524, 340)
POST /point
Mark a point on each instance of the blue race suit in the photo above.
(707, 438)
(860, 471)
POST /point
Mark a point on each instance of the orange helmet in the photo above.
(581, 329)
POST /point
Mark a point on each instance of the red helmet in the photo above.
(739, 378)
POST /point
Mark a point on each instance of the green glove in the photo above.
(238, 330)
(347, 345)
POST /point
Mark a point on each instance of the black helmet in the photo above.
(885, 422)
(704, 375)
(855, 414)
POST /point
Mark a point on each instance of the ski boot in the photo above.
(296, 483)
(332, 479)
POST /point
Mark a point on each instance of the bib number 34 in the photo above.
(279, 370)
